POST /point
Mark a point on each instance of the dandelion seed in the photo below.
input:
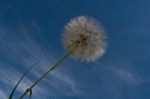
(89, 34)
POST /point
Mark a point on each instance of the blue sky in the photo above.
(31, 30)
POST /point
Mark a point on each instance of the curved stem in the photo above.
(46, 73)
(13, 91)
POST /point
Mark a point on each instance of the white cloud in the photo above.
(3, 95)
(128, 76)
(24, 52)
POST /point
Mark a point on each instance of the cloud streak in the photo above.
(24, 51)
(126, 75)
(3, 94)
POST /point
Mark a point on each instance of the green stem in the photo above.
(13, 91)
(46, 73)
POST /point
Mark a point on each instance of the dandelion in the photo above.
(84, 38)
(89, 34)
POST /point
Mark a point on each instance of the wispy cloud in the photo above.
(116, 79)
(9, 77)
(24, 51)
(3, 94)
(127, 75)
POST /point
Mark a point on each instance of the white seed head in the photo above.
(88, 34)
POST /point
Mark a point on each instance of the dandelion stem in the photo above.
(71, 50)
(46, 73)
(13, 91)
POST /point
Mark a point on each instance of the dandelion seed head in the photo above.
(87, 33)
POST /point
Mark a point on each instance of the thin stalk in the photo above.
(14, 89)
(46, 73)
(72, 49)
